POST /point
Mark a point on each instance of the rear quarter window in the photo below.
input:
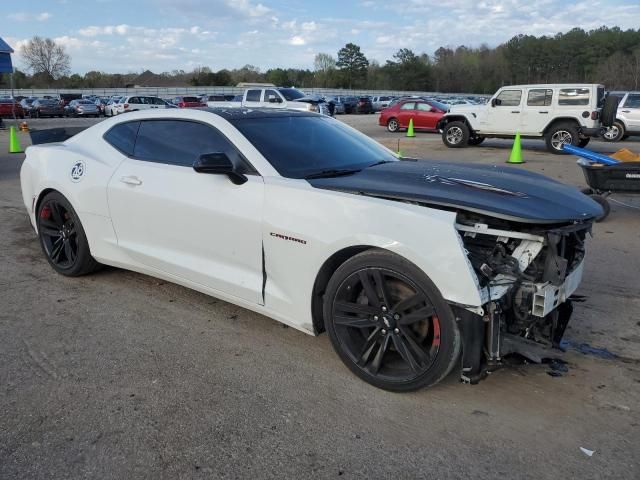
(122, 137)
(573, 96)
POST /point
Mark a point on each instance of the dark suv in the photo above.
(364, 105)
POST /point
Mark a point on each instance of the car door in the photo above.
(253, 98)
(272, 99)
(631, 111)
(194, 226)
(407, 111)
(536, 111)
(427, 116)
(503, 114)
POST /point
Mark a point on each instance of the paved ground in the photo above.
(119, 375)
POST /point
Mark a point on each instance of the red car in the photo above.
(188, 102)
(6, 108)
(425, 114)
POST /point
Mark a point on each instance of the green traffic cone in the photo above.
(516, 151)
(14, 143)
(410, 129)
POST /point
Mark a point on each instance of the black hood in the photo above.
(501, 192)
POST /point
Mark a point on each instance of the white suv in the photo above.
(627, 120)
(140, 102)
(561, 113)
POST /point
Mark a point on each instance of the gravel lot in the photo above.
(120, 375)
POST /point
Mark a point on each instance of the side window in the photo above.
(509, 98)
(123, 136)
(253, 95)
(423, 107)
(156, 142)
(272, 97)
(573, 96)
(539, 97)
(134, 100)
(408, 106)
(633, 101)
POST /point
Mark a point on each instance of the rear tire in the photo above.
(388, 322)
(393, 125)
(615, 132)
(561, 134)
(456, 135)
(476, 141)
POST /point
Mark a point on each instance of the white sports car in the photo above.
(412, 267)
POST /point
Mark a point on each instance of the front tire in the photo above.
(584, 142)
(561, 134)
(388, 322)
(62, 237)
(456, 135)
(476, 141)
(615, 132)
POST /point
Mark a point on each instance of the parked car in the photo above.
(44, 107)
(558, 113)
(627, 120)
(380, 102)
(188, 102)
(26, 103)
(280, 98)
(425, 114)
(139, 102)
(82, 108)
(101, 103)
(219, 97)
(338, 108)
(110, 109)
(349, 103)
(66, 98)
(413, 268)
(364, 105)
(8, 106)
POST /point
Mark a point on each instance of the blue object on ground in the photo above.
(587, 349)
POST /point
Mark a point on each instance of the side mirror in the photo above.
(218, 163)
(494, 102)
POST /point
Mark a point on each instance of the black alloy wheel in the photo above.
(390, 327)
(62, 237)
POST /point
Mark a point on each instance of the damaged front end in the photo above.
(526, 275)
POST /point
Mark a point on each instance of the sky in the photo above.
(164, 35)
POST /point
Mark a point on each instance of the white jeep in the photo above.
(559, 113)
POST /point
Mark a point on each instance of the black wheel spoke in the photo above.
(50, 232)
(414, 344)
(405, 353)
(357, 308)
(377, 360)
(382, 286)
(48, 223)
(68, 251)
(56, 213)
(353, 322)
(57, 249)
(369, 346)
(423, 314)
(408, 303)
(369, 289)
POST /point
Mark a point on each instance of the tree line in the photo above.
(604, 55)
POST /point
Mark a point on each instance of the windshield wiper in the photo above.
(332, 173)
(380, 163)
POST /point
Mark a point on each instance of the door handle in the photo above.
(543, 112)
(131, 180)
(626, 111)
(515, 111)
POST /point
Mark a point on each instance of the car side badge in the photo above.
(77, 171)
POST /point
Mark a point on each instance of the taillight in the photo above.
(595, 115)
(182, 105)
(126, 105)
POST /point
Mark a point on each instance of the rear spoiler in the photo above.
(53, 135)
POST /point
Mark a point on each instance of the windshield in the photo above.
(291, 94)
(299, 146)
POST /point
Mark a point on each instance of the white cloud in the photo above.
(247, 8)
(27, 17)
(297, 40)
